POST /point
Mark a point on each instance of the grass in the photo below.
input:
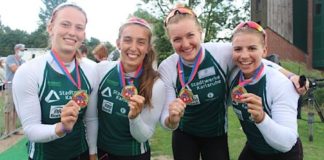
(161, 141)
(16, 152)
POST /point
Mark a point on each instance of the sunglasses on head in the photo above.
(252, 25)
(179, 10)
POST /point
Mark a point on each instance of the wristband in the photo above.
(64, 130)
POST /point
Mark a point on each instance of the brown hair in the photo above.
(149, 75)
(101, 50)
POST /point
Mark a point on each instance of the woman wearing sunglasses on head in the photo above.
(53, 93)
(130, 96)
(263, 99)
(196, 81)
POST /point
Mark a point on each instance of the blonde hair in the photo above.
(177, 17)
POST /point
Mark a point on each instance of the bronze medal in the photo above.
(186, 95)
(128, 91)
(81, 98)
(237, 93)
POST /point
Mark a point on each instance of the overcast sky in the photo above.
(104, 16)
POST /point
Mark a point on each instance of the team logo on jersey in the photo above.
(107, 106)
(106, 92)
(122, 110)
(210, 71)
(55, 111)
(52, 97)
(210, 95)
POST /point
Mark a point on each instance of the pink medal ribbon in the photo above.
(80, 97)
(185, 93)
(128, 90)
(239, 89)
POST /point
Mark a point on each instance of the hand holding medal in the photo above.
(135, 104)
(69, 115)
(254, 106)
(176, 111)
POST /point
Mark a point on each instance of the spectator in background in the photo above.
(114, 55)
(2, 73)
(12, 63)
(100, 52)
(83, 50)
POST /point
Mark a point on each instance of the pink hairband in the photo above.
(140, 21)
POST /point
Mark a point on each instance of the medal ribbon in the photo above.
(256, 76)
(193, 71)
(122, 78)
(65, 70)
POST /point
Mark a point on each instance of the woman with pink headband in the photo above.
(263, 99)
(130, 96)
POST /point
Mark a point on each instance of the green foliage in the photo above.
(9, 38)
(38, 38)
(216, 16)
(161, 141)
(45, 13)
(160, 40)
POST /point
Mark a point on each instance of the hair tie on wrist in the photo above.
(64, 130)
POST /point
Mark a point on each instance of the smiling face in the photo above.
(67, 30)
(185, 37)
(248, 50)
(134, 44)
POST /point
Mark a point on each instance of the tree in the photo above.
(160, 40)
(216, 15)
(9, 38)
(45, 13)
(39, 38)
(218, 18)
